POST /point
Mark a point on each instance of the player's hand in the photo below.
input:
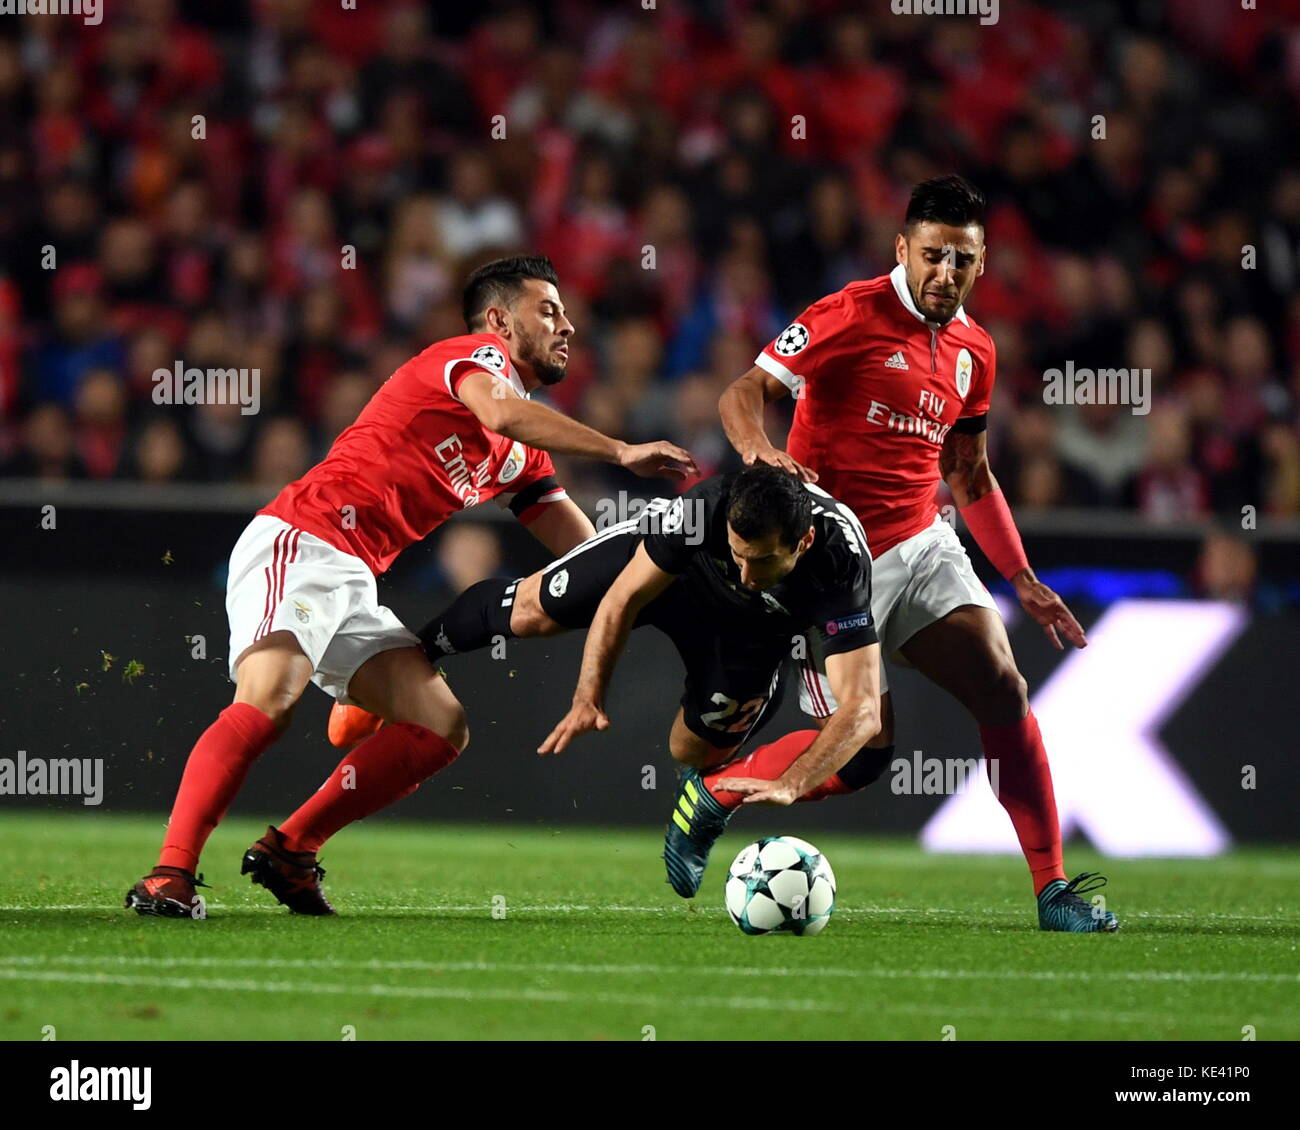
(1050, 611)
(775, 457)
(760, 792)
(659, 460)
(583, 717)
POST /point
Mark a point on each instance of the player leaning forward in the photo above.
(451, 428)
(892, 381)
(734, 572)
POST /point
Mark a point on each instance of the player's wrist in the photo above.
(796, 783)
(588, 698)
(1024, 579)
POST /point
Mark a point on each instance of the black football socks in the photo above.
(475, 619)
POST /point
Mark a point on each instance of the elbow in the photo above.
(865, 713)
(741, 392)
(958, 483)
(502, 417)
(968, 481)
(871, 729)
(614, 610)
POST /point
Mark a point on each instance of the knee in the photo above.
(449, 724)
(456, 731)
(429, 704)
(684, 755)
(278, 707)
(281, 720)
(1005, 698)
(528, 618)
(1011, 690)
(522, 620)
(698, 756)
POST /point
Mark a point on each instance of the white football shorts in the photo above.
(283, 579)
(915, 583)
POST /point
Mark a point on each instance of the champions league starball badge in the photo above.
(793, 338)
(490, 356)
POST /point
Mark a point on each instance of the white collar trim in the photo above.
(898, 276)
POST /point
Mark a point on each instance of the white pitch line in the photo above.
(674, 1004)
(572, 908)
(887, 972)
(481, 908)
(546, 996)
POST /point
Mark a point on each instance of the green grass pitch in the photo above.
(590, 943)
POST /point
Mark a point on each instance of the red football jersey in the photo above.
(877, 389)
(415, 456)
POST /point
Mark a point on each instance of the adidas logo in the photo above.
(686, 803)
(896, 361)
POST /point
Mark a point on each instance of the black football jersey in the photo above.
(829, 590)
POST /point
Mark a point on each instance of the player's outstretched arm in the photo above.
(741, 407)
(855, 680)
(964, 464)
(639, 583)
(500, 409)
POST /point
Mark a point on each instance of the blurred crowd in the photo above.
(301, 188)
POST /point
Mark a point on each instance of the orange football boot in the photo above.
(350, 724)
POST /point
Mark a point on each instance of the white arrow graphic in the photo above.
(1099, 714)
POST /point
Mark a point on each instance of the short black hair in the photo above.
(501, 281)
(945, 200)
(765, 500)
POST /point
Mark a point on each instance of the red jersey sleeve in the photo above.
(483, 353)
(811, 343)
(536, 487)
(984, 364)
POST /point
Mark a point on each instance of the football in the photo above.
(780, 883)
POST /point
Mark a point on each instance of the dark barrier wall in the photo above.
(77, 625)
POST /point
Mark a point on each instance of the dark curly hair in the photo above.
(765, 500)
(945, 200)
(501, 281)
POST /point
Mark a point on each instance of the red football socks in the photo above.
(1025, 790)
(383, 769)
(767, 763)
(213, 774)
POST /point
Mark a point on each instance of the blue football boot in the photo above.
(697, 822)
(1061, 908)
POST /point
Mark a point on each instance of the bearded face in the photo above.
(547, 354)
